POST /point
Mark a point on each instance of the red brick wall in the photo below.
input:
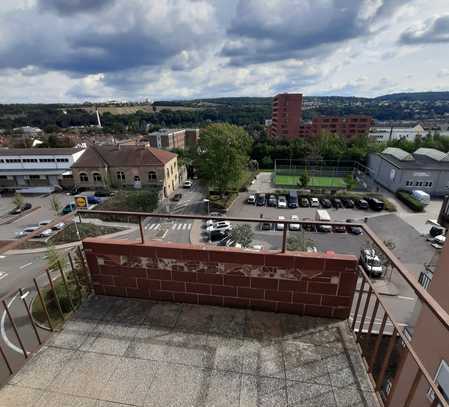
(300, 283)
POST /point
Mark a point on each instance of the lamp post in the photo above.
(207, 201)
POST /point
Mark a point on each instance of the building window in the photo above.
(409, 183)
(84, 177)
(33, 176)
(96, 176)
(3, 177)
(152, 176)
(62, 160)
(442, 382)
(136, 178)
(120, 175)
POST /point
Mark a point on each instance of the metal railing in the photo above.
(378, 352)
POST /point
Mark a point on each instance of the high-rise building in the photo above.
(286, 116)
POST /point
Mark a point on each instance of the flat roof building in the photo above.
(426, 169)
(168, 139)
(286, 116)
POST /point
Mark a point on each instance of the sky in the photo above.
(97, 50)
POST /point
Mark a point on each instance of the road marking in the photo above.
(184, 226)
(165, 234)
(406, 298)
(189, 226)
(3, 330)
(2, 257)
(3, 275)
(25, 265)
(173, 226)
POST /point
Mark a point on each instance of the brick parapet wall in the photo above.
(301, 283)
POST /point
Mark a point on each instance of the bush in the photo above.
(410, 201)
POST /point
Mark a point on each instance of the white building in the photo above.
(382, 134)
(37, 167)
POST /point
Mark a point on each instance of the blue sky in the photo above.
(78, 50)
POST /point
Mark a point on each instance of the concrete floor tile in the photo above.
(348, 396)
(73, 335)
(228, 322)
(263, 325)
(95, 308)
(176, 386)
(195, 318)
(43, 367)
(64, 400)
(223, 389)
(271, 392)
(299, 353)
(226, 353)
(18, 396)
(129, 312)
(130, 382)
(86, 374)
(263, 359)
(311, 372)
(163, 315)
(302, 394)
(248, 391)
(322, 400)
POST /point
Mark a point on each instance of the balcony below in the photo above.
(119, 351)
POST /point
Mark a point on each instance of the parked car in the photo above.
(25, 207)
(348, 203)
(336, 203)
(339, 228)
(292, 199)
(15, 211)
(58, 226)
(187, 184)
(280, 226)
(324, 228)
(103, 192)
(176, 197)
(311, 249)
(93, 200)
(218, 235)
(294, 226)
(375, 204)
(355, 230)
(272, 201)
(309, 227)
(371, 263)
(261, 200)
(282, 202)
(77, 190)
(222, 225)
(304, 202)
(27, 230)
(326, 203)
(45, 233)
(266, 226)
(68, 208)
(361, 204)
(314, 203)
(251, 199)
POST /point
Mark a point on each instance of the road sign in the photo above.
(81, 202)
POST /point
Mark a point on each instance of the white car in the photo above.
(46, 233)
(282, 202)
(58, 226)
(222, 225)
(371, 263)
(26, 231)
(280, 226)
(251, 199)
(295, 226)
(314, 203)
(187, 184)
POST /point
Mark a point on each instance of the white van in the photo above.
(421, 196)
(323, 216)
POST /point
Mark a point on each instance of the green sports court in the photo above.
(315, 181)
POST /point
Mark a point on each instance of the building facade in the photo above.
(426, 169)
(286, 116)
(431, 343)
(383, 134)
(37, 167)
(287, 123)
(128, 166)
(168, 139)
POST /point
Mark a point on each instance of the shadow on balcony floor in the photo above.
(127, 352)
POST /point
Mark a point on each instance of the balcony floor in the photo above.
(117, 352)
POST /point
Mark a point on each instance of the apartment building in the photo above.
(128, 166)
(168, 139)
(287, 123)
(382, 134)
(286, 116)
(37, 167)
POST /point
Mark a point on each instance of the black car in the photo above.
(176, 197)
(77, 190)
(325, 203)
(375, 204)
(102, 192)
(348, 203)
(272, 201)
(309, 227)
(361, 204)
(355, 230)
(266, 226)
(336, 203)
(261, 200)
(25, 207)
(218, 235)
(304, 202)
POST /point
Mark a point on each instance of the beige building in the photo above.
(127, 166)
(430, 341)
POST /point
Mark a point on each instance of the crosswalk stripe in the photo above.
(184, 226)
(174, 226)
(189, 226)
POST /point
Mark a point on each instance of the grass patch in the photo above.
(68, 234)
(317, 182)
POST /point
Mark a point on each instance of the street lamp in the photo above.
(207, 201)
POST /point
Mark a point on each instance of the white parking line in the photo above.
(25, 265)
(3, 275)
(406, 298)
(3, 330)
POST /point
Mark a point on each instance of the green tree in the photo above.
(266, 162)
(243, 234)
(350, 182)
(304, 179)
(298, 242)
(223, 155)
(142, 201)
(53, 257)
(55, 204)
(18, 200)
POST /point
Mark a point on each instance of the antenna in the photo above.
(98, 118)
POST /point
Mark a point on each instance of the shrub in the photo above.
(410, 201)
